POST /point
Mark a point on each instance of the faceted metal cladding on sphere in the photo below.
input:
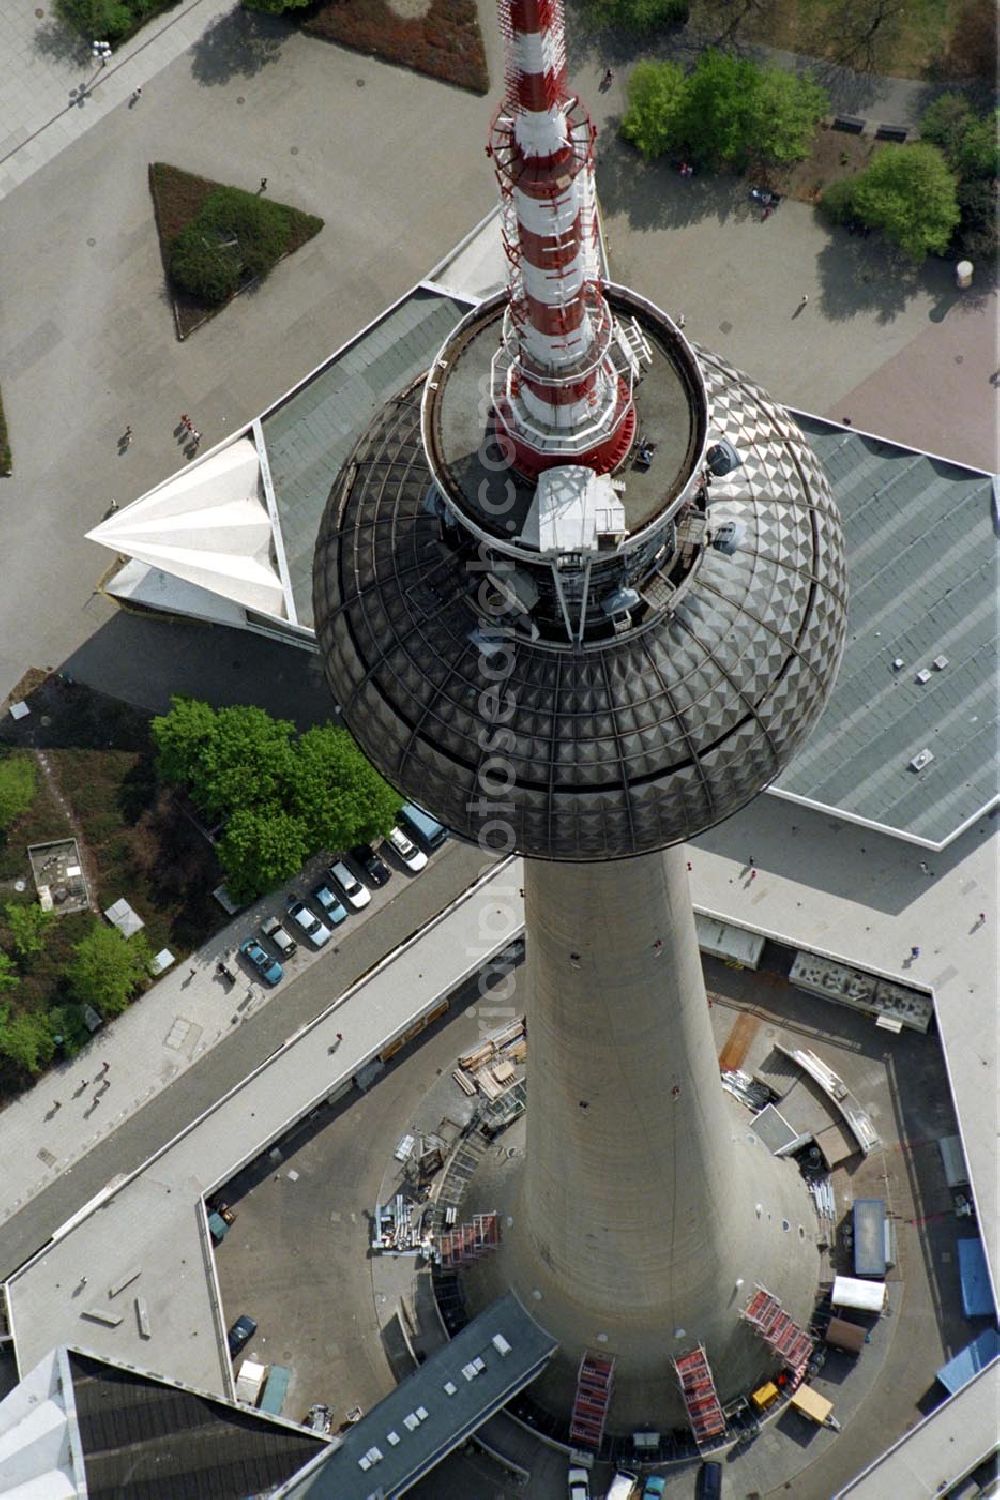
(630, 739)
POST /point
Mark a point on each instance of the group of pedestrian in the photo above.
(102, 1078)
(190, 431)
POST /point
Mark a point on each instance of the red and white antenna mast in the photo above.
(562, 380)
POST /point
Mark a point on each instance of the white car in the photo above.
(357, 895)
(578, 1484)
(413, 858)
(316, 931)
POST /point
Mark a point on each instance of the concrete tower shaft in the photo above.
(557, 390)
(643, 1210)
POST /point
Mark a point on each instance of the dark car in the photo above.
(710, 1482)
(375, 868)
(240, 1334)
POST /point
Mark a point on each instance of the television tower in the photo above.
(580, 591)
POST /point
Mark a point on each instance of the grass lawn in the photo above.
(938, 40)
(438, 37)
(178, 199)
(97, 783)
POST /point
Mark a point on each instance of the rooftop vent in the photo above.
(728, 537)
(939, 663)
(921, 760)
(500, 1344)
(923, 676)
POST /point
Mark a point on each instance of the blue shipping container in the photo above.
(869, 1237)
(275, 1390)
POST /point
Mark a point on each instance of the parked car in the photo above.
(330, 904)
(623, 1486)
(316, 931)
(710, 1482)
(578, 1484)
(418, 821)
(319, 1418)
(374, 866)
(267, 967)
(654, 1487)
(241, 1333)
(358, 895)
(279, 936)
(413, 858)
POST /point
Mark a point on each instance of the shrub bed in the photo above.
(215, 240)
(113, 21)
(446, 43)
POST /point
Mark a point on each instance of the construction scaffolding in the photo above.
(780, 1332)
(491, 1068)
(593, 1397)
(469, 1242)
(701, 1399)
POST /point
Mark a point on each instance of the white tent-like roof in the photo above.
(209, 525)
(39, 1457)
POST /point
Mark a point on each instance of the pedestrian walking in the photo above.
(750, 861)
(769, 210)
(982, 918)
(125, 441)
(83, 1281)
(915, 951)
(105, 1067)
(113, 506)
(263, 185)
(753, 876)
(135, 96)
(804, 300)
(690, 865)
(186, 422)
(608, 79)
(681, 320)
(56, 1104)
(195, 437)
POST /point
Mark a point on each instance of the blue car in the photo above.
(654, 1488)
(267, 967)
(329, 904)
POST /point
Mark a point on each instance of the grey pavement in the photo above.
(53, 90)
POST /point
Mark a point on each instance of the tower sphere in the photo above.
(581, 666)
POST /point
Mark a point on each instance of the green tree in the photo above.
(713, 123)
(26, 1039)
(638, 16)
(248, 762)
(205, 266)
(339, 795)
(908, 193)
(181, 738)
(18, 783)
(968, 140)
(782, 114)
(8, 974)
(26, 922)
(260, 849)
(655, 92)
(69, 1029)
(108, 968)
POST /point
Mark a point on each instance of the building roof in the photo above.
(434, 1410)
(78, 1425)
(310, 433)
(922, 578)
(940, 1450)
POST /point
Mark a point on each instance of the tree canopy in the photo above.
(908, 193)
(727, 112)
(26, 1039)
(26, 922)
(108, 968)
(281, 796)
(638, 16)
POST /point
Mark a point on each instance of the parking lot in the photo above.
(298, 1255)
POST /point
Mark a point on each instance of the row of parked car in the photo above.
(625, 1485)
(341, 891)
